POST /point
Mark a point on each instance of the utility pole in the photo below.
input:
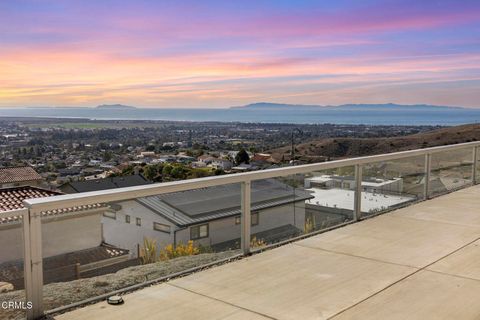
(293, 143)
(293, 163)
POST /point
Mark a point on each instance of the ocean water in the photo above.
(352, 115)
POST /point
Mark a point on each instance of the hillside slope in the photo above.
(334, 148)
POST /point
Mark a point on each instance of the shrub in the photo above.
(181, 250)
(149, 251)
(310, 224)
(256, 243)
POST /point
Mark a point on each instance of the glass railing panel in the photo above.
(450, 171)
(287, 207)
(332, 195)
(392, 184)
(13, 304)
(477, 171)
(102, 248)
(277, 210)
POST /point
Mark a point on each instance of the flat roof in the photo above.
(343, 199)
(367, 181)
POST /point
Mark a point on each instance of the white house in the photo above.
(61, 231)
(146, 154)
(394, 185)
(209, 216)
(94, 163)
(69, 236)
(225, 165)
(198, 164)
(207, 159)
(333, 197)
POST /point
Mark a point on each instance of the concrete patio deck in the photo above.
(419, 262)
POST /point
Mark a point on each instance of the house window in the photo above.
(254, 219)
(127, 218)
(161, 227)
(138, 221)
(199, 232)
(110, 214)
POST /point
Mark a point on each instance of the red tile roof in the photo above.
(261, 157)
(12, 198)
(18, 174)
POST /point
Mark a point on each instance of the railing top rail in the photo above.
(12, 213)
(112, 195)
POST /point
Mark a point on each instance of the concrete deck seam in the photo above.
(401, 279)
(219, 300)
(355, 256)
(453, 275)
(435, 221)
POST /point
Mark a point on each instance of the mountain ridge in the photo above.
(115, 106)
(283, 106)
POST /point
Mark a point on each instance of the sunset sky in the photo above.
(223, 53)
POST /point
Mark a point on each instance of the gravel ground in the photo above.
(64, 293)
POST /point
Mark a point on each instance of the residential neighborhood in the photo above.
(105, 237)
(62, 150)
(83, 241)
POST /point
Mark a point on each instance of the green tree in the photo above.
(107, 156)
(242, 157)
(178, 172)
(150, 172)
(167, 170)
(150, 148)
(219, 172)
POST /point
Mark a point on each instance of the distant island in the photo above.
(283, 106)
(265, 112)
(115, 107)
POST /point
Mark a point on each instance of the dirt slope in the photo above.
(334, 148)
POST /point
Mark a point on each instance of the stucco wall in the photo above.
(31, 183)
(128, 235)
(63, 235)
(225, 229)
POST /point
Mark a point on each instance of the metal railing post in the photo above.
(246, 217)
(428, 165)
(357, 202)
(32, 235)
(27, 261)
(474, 165)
